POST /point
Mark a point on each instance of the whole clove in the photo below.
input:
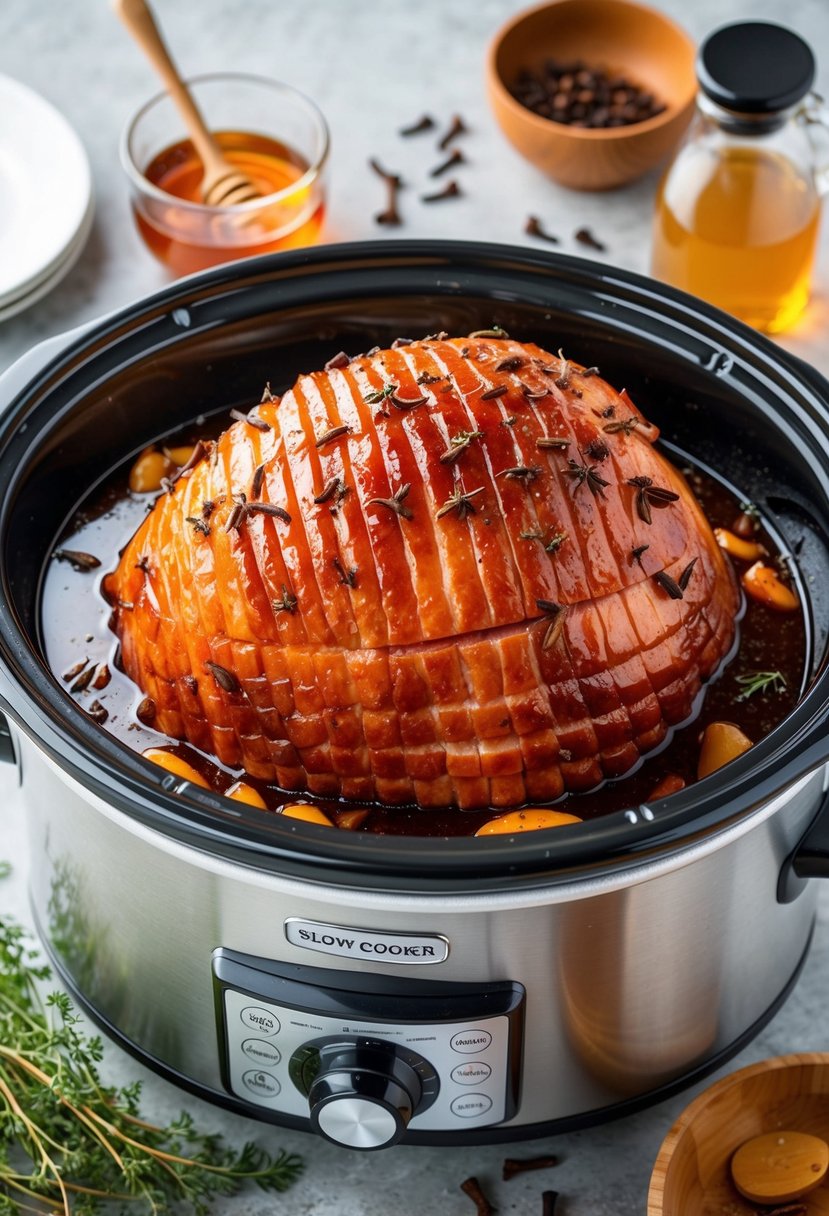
(333, 486)
(82, 562)
(668, 585)
(520, 1165)
(585, 237)
(577, 95)
(534, 227)
(145, 713)
(685, 577)
(407, 403)
(456, 127)
(83, 681)
(472, 1188)
(788, 1209)
(224, 678)
(259, 423)
(198, 454)
(424, 123)
(555, 628)
(394, 183)
(455, 157)
(549, 1199)
(333, 433)
(75, 670)
(450, 190)
(396, 504)
(495, 332)
(102, 677)
(348, 577)
(266, 508)
(287, 602)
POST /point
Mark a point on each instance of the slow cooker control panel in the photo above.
(364, 1057)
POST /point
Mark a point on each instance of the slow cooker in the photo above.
(377, 988)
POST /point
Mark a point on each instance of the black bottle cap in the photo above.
(755, 67)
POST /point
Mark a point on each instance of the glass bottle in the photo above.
(738, 210)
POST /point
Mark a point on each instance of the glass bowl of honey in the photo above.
(269, 131)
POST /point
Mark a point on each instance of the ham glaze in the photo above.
(453, 572)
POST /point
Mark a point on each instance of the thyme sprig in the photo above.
(760, 681)
(376, 396)
(73, 1146)
(458, 445)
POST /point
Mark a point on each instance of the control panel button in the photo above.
(473, 1073)
(256, 1018)
(470, 1042)
(470, 1106)
(262, 1053)
(261, 1083)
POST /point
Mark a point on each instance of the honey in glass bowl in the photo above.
(287, 168)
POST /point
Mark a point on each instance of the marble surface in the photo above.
(372, 68)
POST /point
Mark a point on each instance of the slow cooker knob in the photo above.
(363, 1097)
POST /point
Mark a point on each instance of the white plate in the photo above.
(45, 283)
(45, 190)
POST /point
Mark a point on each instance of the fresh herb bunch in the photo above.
(71, 1145)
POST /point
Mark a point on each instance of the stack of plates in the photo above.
(46, 203)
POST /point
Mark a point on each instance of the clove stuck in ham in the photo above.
(454, 572)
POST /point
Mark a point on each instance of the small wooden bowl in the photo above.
(692, 1175)
(624, 38)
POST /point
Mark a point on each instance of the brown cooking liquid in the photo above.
(269, 164)
(76, 627)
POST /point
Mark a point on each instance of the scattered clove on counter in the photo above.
(585, 237)
(549, 1199)
(472, 1188)
(456, 157)
(518, 1165)
(456, 127)
(424, 123)
(394, 183)
(533, 227)
(450, 190)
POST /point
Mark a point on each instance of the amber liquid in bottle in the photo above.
(187, 243)
(738, 227)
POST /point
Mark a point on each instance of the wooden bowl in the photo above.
(692, 1174)
(624, 38)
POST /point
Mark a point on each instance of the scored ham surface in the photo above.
(452, 572)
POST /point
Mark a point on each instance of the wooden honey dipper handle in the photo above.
(222, 184)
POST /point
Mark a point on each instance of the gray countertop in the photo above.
(372, 68)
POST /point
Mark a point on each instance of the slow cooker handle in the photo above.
(35, 361)
(811, 858)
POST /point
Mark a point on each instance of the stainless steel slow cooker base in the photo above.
(628, 985)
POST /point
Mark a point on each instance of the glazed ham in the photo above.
(455, 572)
